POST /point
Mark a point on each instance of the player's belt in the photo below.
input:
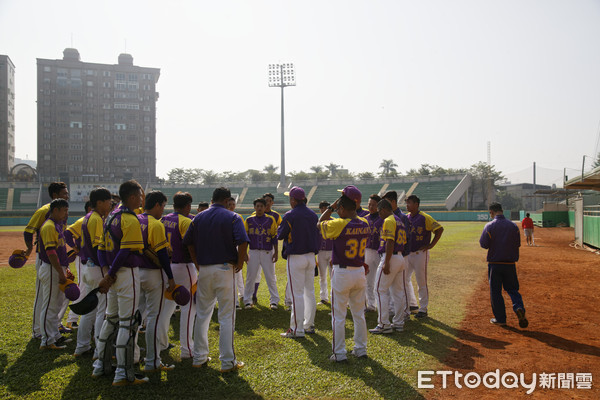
(348, 266)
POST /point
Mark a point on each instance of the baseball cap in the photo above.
(352, 193)
(296, 192)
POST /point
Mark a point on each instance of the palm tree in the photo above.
(333, 168)
(389, 168)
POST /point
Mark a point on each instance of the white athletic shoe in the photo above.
(336, 358)
(381, 329)
(291, 335)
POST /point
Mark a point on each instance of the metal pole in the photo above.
(282, 178)
(534, 189)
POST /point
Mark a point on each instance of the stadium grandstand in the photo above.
(442, 193)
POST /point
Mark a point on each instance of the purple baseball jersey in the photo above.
(176, 225)
(262, 231)
(349, 240)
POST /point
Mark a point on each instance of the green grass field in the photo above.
(276, 368)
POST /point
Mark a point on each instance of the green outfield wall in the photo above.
(591, 230)
(551, 219)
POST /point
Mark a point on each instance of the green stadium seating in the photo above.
(25, 199)
(256, 192)
(434, 192)
(3, 198)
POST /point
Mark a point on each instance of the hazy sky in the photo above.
(414, 81)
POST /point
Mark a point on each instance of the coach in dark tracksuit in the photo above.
(502, 239)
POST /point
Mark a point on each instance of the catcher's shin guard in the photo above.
(131, 324)
(109, 344)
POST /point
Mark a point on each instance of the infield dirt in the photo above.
(560, 286)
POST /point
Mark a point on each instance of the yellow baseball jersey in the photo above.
(75, 228)
(157, 239)
(94, 229)
(127, 227)
(52, 237)
(37, 219)
(392, 229)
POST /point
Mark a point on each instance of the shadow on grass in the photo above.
(559, 342)
(371, 372)
(182, 382)
(439, 340)
(25, 375)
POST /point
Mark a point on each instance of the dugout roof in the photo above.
(589, 181)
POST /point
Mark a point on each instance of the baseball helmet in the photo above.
(87, 304)
(71, 256)
(179, 295)
(70, 289)
(17, 259)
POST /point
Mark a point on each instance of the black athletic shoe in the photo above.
(421, 314)
(523, 323)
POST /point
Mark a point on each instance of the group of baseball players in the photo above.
(136, 260)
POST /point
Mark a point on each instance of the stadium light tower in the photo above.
(282, 75)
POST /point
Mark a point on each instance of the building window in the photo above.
(106, 106)
(90, 83)
(126, 106)
(105, 73)
(106, 84)
(121, 127)
(47, 69)
(120, 76)
(133, 77)
(76, 124)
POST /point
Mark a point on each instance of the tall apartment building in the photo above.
(7, 116)
(96, 122)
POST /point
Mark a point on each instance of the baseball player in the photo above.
(152, 279)
(372, 257)
(356, 192)
(502, 240)
(73, 239)
(239, 278)
(122, 250)
(52, 272)
(56, 190)
(270, 200)
(299, 229)
(350, 234)
(390, 273)
(421, 227)
(203, 205)
(212, 239)
(91, 271)
(324, 259)
(184, 272)
(262, 231)
(527, 225)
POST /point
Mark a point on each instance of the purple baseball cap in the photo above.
(296, 192)
(352, 193)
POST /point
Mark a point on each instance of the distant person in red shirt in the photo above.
(527, 225)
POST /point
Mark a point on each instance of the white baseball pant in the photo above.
(122, 300)
(393, 283)
(417, 262)
(186, 276)
(323, 260)
(152, 285)
(92, 275)
(348, 287)
(372, 259)
(301, 279)
(215, 283)
(50, 301)
(36, 330)
(257, 260)
(239, 287)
